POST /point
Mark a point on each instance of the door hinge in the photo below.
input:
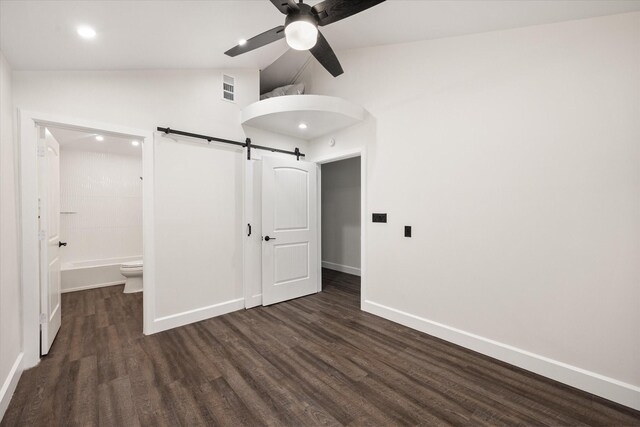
(42, 151)
(43, 318)
(41, 234)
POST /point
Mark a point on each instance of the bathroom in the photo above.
(100, 208)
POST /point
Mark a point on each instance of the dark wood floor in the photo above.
(315, 360)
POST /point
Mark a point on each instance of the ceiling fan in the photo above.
(301, 28)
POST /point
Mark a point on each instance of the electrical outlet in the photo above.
(407, 231)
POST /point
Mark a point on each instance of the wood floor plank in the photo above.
(80, 404)
(147, 392)
(110, 354)
(116, 404)
(263, 406)
(316, 360)
(224, 405)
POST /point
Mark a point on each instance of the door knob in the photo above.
(62, 244)
(267, 238)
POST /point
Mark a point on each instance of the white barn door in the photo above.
(289, 229)
(49, 213)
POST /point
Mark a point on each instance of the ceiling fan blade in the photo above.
(330, 11)
(326, 56)
(285, 6)
(260, 40)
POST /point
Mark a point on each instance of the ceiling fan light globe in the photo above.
(301, 35)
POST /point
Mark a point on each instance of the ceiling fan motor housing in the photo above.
(304, 13)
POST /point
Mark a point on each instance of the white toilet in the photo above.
(132, 271)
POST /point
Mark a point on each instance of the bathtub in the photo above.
(81, 275)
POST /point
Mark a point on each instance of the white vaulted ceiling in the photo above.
(41, 34)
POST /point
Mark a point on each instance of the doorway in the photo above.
(341, 225)
(90, 201)
(43, 244)
(340, 213)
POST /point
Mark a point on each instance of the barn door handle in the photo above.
(62, 244)
(267, 238)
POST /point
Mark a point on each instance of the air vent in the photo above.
(228, 88)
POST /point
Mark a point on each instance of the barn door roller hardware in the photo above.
(248, 144)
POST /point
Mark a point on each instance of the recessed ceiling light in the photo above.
(135, 143)
(242, 42)
(99, 138)
(86, 32)
(302, 126)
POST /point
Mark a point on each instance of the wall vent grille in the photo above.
(228, 88)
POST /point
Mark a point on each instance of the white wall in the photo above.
(10, 296)
(105, 192)
(198, 191)
(515, 157)
(198, 222)
(182, 99)
(341, 215)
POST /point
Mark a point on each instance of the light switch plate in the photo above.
(379, 217)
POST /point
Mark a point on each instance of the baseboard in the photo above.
(99, 285)
(339, 267)
(192, 316)
(10, 384)
(254, 301)
(600, 385)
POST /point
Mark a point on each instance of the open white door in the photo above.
(49, 183)
(289, 229)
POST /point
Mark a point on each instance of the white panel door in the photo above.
(49, 180)
(289, 229)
